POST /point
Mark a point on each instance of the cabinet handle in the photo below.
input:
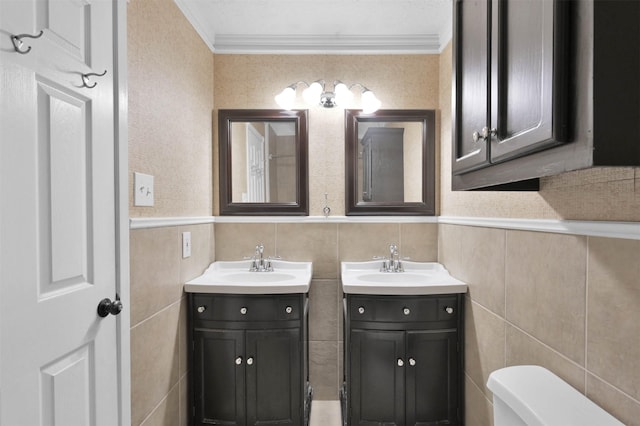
(288, 309)
(201, 309)
(239, 360)
(400, 362)
(361, 310)
(412, 362)
(406, 311)
(448, 309)
(249, 361)
(243, 310)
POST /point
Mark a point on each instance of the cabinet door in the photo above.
(376, 367)
(274, 378)
(432, 378)
(219, 364)
(471, 83)
(530, 72)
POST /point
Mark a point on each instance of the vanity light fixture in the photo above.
(317, 94)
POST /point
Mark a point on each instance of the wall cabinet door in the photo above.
(510, 80)
(273, 377)
(377, 378)
(529, 72)
(219, 377)
(432, 378)
(471, 83)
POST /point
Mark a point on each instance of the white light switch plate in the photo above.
(186, 244)
(142, 190)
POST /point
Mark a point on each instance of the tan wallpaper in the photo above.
(251, 81)
(595, 194)
(170, 104)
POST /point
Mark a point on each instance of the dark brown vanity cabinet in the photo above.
(249, 359)
(403, 360)
(543, 87)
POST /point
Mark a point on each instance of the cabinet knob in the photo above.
(400, 362)
(249, 361)
(361, 310)
(243, 310)
(448, 309)
(406, 311)
(486, 132)
(239, 360)
(201, 309)
(288, 309)
(412, 362)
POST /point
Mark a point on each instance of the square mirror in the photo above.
(390, 162)
(263, 162)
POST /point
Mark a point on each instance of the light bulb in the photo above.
(343, 94)
(370, 103)
(311, 94)
(286, 98)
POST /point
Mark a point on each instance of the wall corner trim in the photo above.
(625, 230)
(162, 222)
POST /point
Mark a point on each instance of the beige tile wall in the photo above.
(569, 303)
(170, 78)
(326, 245)
(159, 320)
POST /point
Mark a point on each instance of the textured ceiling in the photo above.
(321, 26)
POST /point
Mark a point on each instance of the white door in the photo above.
(58, 253)
(256, 184)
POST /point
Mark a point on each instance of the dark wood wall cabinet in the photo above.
(249, 359)
(403, 360)
(541, 88)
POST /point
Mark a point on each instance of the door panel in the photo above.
(64, 214)
(377, 399)
(274, 388)
(432, 381)
(67, 23)
(219, 363)
(66, 386)
(471, 83)
(58, 219)
(528, 104)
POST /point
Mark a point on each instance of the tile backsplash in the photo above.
(566, 302)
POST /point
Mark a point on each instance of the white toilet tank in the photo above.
(530, 395)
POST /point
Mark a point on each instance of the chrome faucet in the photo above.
(393, 262)
(258, 262)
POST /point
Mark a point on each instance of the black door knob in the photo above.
(106, 307)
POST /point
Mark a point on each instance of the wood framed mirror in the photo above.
(263, 162)
(390, 162)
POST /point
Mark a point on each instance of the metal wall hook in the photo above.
(17, 41)
(85, 79)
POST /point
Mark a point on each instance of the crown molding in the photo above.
(319, 44)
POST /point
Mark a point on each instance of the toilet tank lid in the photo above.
(541, 398)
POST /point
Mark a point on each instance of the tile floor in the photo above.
(325, 413)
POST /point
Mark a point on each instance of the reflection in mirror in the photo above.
(263, 165)
(264, 162)
(390, 162)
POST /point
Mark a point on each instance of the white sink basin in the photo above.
(418, 278)
(234, 277)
